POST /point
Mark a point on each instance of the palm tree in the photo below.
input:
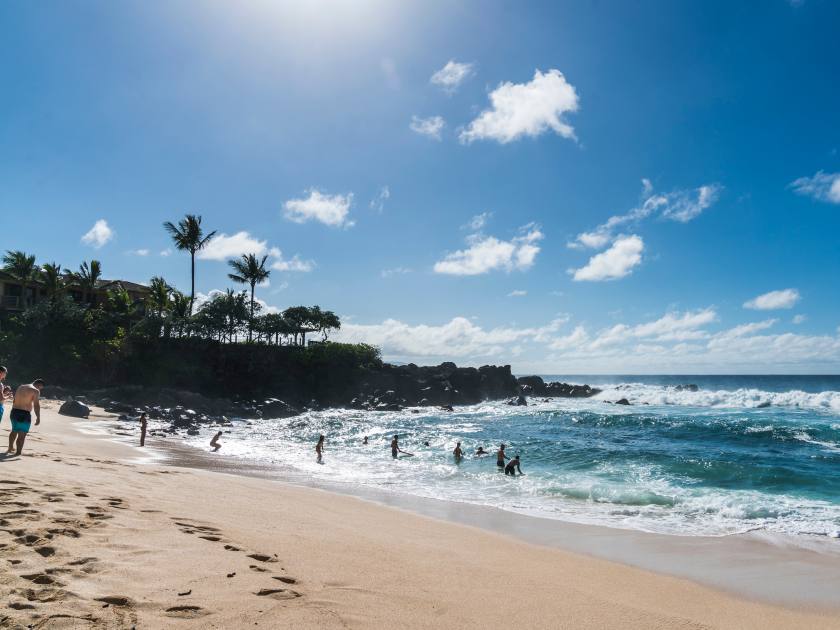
(159, 295)
(52, 278)
(252, 271)
(22, 268)
(87, 277)
(188, 236)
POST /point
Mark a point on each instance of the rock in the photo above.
(622, 401)
(762, 405)
(274, 408)
(74, 409)
(117, 407)
(519, 401)
(535, 385)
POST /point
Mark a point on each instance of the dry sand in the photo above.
(93, 536)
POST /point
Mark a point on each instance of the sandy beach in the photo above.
(95, 533)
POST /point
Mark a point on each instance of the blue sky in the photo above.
(443, 174)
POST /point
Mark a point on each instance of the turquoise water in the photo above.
(740, 454)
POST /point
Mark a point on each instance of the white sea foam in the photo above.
(744, 398)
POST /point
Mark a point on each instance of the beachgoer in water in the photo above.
(458, 453)
(319, 448)
(214, 443)
(396, 450)
(144, 421)
(426, 444)
(501, 457)
(365, 441)
(480, 451)
(513, 467)
(26, 400)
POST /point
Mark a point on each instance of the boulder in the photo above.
(74, 409)
(622, 401)
(518, 401)
(275, 408)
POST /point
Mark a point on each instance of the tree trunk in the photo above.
(251, 319)
(192, 281)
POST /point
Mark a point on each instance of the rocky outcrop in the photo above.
(393, 387)
(536, 386)
(74, 409)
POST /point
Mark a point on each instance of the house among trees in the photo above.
(16, 295)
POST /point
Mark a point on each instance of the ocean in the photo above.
(739, 454)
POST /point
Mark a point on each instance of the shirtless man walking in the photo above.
(26, 400)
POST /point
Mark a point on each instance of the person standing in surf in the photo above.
(513, 467)
(144, 423)
(319, 449)
(396, 450)
(501, 457)
(458, 453)
(26, 400)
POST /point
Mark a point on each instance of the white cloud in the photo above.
(676, 342)
(431, 127)
(784, 298)
(525, 109)
(203, 298)
(456, 339)
(378, 202)
(822, 187)
(450, 77)
(799, 319)
(223, 247)
(295, 263)
(395, 271)
(138, 252)
(613, 263)
(517, 293)
(678, 205)
(98, 235)
(487, 253)
(332, 210)
(477, 223)
(166, 252)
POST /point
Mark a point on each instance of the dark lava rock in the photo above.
(519, 401)
(536, 386)
(74, 409)
(275, 408)
(622, 401)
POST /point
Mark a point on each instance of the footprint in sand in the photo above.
(284, 579)
(277, 593)
(115, 600)
(186, 612)
(41, 578)
(261, 557)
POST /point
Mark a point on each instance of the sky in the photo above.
(566, 187)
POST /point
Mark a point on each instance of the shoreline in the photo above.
(124, 540)
(812, 577)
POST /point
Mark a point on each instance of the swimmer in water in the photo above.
(458, 453)
(480, 451)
